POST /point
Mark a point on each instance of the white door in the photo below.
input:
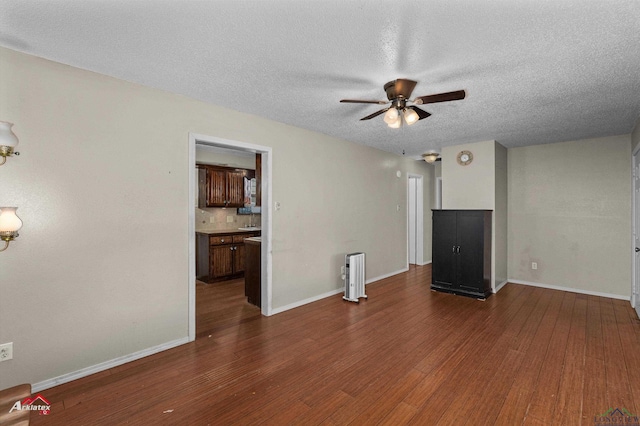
(635, 297)
(412, 220)
(415, 220)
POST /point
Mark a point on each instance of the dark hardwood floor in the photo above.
(405, 356)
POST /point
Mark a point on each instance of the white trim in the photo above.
(390, 274)
(635, 303)
(570, 289)
(426, 263)
(266, 212)
(499, 286)
(191, 285)
(331, 293)
(419, 218)
(306, 301)
(87, 371)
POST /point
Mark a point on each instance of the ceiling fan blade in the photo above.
(400, 87)
(421, 113)
(359, 101)
(375, 114)
(440, 97)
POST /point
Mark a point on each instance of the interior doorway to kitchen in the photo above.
(266, 266)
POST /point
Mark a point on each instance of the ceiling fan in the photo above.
(399, 93)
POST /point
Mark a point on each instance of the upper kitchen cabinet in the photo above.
(221, 186)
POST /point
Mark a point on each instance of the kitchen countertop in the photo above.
(225, 231)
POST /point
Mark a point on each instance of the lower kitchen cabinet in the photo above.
(253, 272)
(221, 256)
(461, 252)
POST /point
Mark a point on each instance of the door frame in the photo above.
(419, 201)
(266, 215)
(635, 188)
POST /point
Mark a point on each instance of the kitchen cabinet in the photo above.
(221, 186)
(253, 271)
(461, 251)
(221, 256)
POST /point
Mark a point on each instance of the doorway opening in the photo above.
(415, 220)
(265, 225)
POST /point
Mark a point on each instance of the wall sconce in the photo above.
(10, 224)
(8, 141)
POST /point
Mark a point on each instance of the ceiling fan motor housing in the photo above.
(400, 88)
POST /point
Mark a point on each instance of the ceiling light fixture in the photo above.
(397, 123)
(10, 224)
(391, 116)
(430, 157)
(8, 141)
(410, 116)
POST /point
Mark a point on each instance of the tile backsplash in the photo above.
(213, 219)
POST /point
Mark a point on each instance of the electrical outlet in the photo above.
(6, 351)
(342, 270)
(229, 219)
(277, 205)
(212, 219)
(534, 265)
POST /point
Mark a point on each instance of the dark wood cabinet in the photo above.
(222, 256)
(253, 272)
(461, 252)
(221, 186)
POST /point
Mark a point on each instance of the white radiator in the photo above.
(354, 277)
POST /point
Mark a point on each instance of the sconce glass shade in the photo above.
(430, 157)
(391, 116)
(8, 141)
(10, 223)
(410, 116)
(7, 137)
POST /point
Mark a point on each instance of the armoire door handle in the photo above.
(458, 249)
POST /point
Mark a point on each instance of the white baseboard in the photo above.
(499, 286)
(87, 371)
(572, 290)
(425, 263)
(390, 274)
(306, 301)
(330, 293)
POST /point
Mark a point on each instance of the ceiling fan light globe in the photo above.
(396, 124)
(391, 116)
(410, 116)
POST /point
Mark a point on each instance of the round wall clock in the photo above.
(465, 157)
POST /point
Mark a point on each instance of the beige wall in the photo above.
(570, 211)
(211, 155)
(635, 136)
(471, 186)
(100, 269)
(481, 185)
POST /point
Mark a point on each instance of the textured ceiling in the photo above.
(534, 71)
